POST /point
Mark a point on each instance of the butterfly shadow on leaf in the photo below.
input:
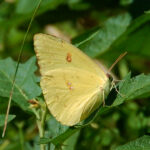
(111, 97)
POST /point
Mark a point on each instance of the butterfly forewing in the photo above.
(55, 53)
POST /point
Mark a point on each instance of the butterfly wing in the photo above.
(72, 94)
(72, 83)
(55, 53)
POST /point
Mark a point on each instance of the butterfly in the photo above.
(73, 85)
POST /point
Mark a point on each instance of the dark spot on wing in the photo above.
(69, 58)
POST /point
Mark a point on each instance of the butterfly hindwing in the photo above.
(72, 94)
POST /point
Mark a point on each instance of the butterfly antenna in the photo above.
(117, 60)
(18, 62)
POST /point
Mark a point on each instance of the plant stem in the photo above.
(41, 125)
(21, 136)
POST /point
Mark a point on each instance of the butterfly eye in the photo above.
(110, 77)
(68, 58)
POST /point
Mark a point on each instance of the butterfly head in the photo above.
(109, 77)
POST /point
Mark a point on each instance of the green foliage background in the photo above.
(103, 30)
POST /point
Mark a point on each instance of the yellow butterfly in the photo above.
(73, 85)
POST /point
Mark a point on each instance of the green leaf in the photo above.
(22, 6)
(28, 6)
(25, 8)
(71, 142)
(3, 104)
(57, 132)
(78, 4)
(135, 40)
(2, 119)
(138, 42)
(60, 133)
(61, 138)
(125, 2)
(117, 36)
(25, 86)
(132, 88)
(142, 143)
(85, 37)
(100, 41)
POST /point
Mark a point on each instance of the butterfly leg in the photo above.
(113, 85)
